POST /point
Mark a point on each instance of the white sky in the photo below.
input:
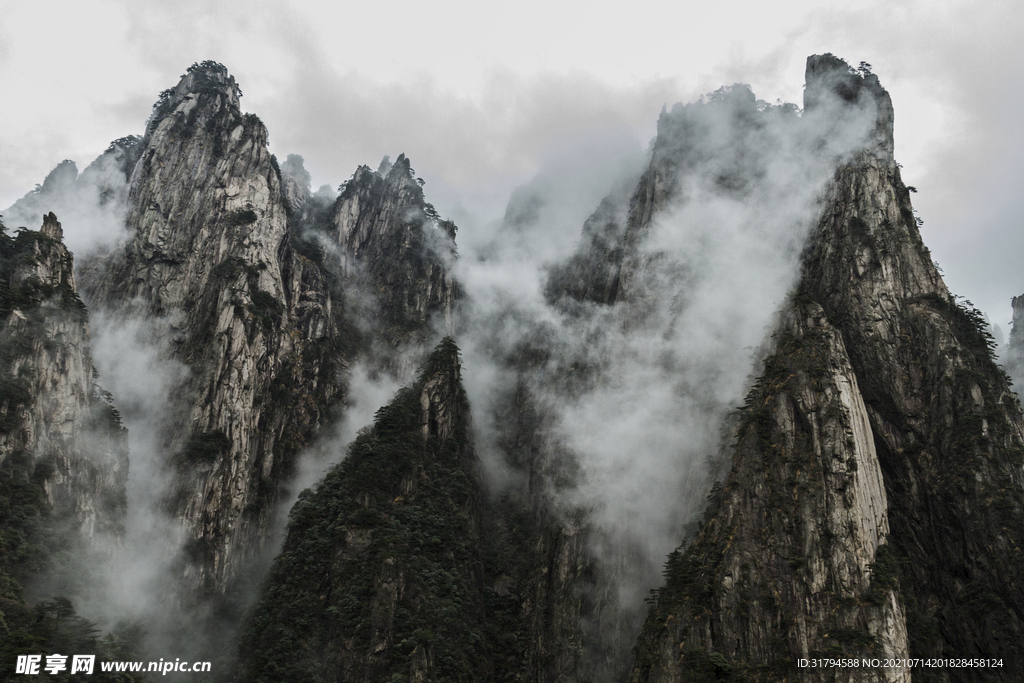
(482, 96)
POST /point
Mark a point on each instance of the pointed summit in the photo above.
(60, 178)
(404, 249)
(209, 77)
(442, 396)
(51, 227)
(206, 81)
(395, 587)
(828, 76)
(206, 220)
(872, 501)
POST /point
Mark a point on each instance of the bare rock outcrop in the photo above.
(255, 322)
(396, 247)
(63, 450)
(266, 298)
(874, 503)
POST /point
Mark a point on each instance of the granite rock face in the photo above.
(870, 503)
(208, 254)
(63, 451)
(396, 248)
(233, 256)
(873, 504)
(787, 558)
(648, 258)
(1013, 359)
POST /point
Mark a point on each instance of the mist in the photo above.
(92, 203)
(639, 390)
(635, 393)
(366, 392)
(135, 582)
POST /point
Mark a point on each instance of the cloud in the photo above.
(366, 392)
(949, 68)
(471, 150)
(475, 98)
(135, 580)
(484, 101)
(638, 392)
(90, 206)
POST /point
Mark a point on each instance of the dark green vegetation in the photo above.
(948, 433)
(25, 249)
(965, 450)
(210, 80)
(263, 312)
(397, 568)
(131, 145)
(738, 602)
(769, 528)
(382, 574)
(53, 627)
(957, 572)
(240, 217)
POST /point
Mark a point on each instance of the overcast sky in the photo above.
(482, 96)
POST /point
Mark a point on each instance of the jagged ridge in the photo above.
(237, 260)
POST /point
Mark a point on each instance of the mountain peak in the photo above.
(401, 168)
(61, 177)
(207, 80)
(51, 227)
(209, 77)
(829, 77)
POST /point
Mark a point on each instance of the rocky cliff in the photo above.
(727, 142)
(1013, 358)
(232, 257)
(207, 255)
(873, 505)
(93, 201)
(63, 450)
(403, 565)
(568, 576)
(870, 502)
(56, 420)
(726, 199)
(397, 249)
(547, 571)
